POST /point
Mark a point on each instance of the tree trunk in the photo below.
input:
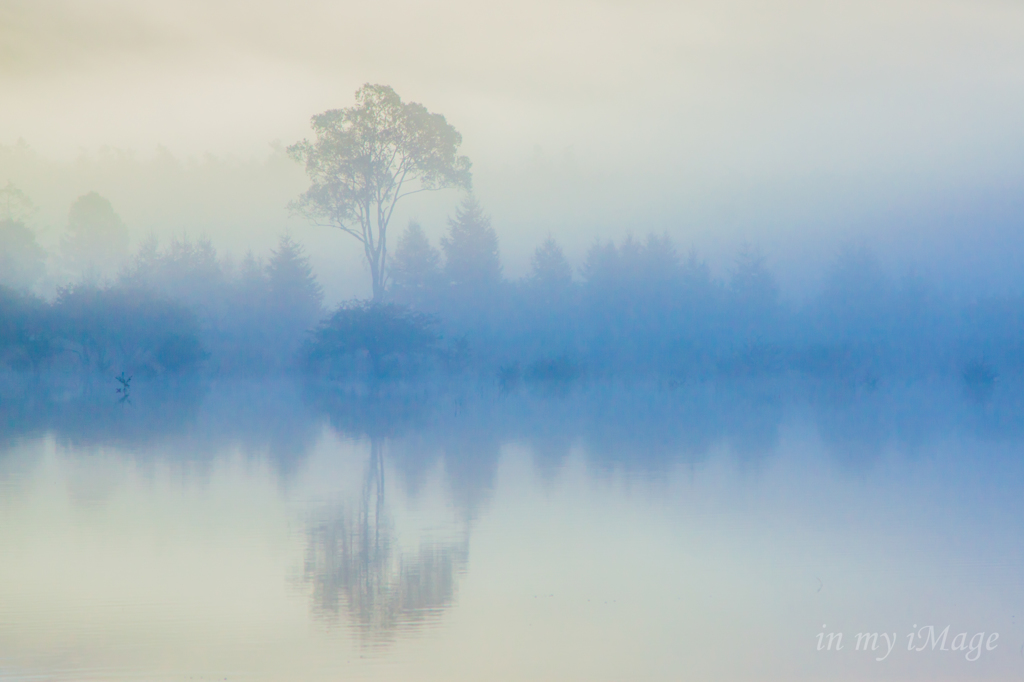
(378, 289)
(377, 276)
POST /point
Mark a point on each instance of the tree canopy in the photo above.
(368, 157)
(97, 239)
(386, 332)
(22, 260)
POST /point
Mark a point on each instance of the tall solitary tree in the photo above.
(368, 157)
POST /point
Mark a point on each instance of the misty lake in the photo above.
(273, 531)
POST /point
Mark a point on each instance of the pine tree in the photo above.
(293, 291)
(471, 255)
(415, 267)
(550, 270)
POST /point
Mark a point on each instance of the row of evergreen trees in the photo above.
(638, 306)
(253, 317)
(174, 309)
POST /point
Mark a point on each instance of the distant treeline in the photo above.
(172, 311)
(638, 308)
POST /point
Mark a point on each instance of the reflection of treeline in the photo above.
(462, 427)
(170, 418)
(652, 427)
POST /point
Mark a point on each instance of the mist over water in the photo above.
(579, 341)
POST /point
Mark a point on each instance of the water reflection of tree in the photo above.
(422, 427)
(358, 570)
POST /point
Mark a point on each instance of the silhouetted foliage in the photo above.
(646, 309)
(639, 311)
(26, 336)
(187, 269)
(253, 319)
(127, 329)
(384, 339)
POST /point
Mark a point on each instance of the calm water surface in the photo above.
(260, 532)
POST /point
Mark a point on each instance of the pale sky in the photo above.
(791, 125)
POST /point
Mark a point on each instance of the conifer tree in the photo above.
(294, 293)
(416, 266)
(471, 254)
